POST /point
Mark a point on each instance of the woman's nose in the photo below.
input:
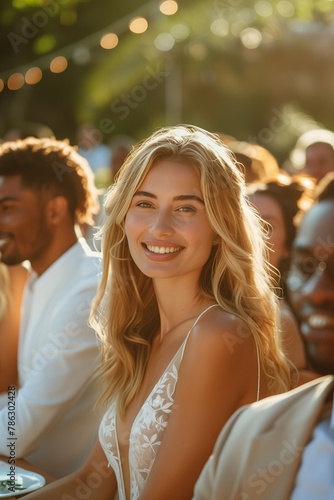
(162, 223)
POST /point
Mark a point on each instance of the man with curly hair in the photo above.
(46, 192)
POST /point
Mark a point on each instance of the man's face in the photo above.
(319, 160)
(311, 284)
(24, 233)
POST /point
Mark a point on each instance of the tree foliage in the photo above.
(248, 68)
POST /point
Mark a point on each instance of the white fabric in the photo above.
(55, 426)
(147, 429)
(315, 478)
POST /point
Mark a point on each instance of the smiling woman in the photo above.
(185, 313)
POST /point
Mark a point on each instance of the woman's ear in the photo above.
(56, 210)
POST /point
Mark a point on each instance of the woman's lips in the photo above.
(162, 249)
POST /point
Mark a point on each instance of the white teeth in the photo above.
(162, 250)
(320, 321)
(3, 242)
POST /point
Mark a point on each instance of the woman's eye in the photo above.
(186, 209)
(143, 204)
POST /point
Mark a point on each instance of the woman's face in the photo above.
(270, 211)
(167, 227)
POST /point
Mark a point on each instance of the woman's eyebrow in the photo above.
(181, 197)
(146, 194)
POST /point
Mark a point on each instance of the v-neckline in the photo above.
(165, 370)
(182, 346)
(137, 417)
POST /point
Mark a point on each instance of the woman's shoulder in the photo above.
(222, 330)
(220, 349)
(217, 322)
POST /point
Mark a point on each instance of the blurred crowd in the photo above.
(34, 314)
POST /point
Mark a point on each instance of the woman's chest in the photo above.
(150, 409)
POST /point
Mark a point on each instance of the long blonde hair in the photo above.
(125, 311)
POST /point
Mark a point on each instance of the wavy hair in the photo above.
(125, 311)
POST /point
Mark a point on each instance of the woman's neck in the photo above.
(178, 301)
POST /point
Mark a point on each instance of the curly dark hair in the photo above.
(54, 167)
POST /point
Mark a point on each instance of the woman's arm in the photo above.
(94, 480)
(218, 374)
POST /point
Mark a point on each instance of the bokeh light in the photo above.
(169, 7)
(58, 64)
(81, 55)
(180, 31)
(15, 81)
(220, 27)
(33, 75)
(138, 25)
(164, 42)
(109, 41)
(251, 38)
(285, 8)
(44, 44)
(2, 85)
(263, 8)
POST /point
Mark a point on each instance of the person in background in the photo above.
(46, 190)
(12, 281)
(313, 154)
(91, 147)
(283, 447)
(280, 201)
(120, 147)
(255, 161)
(186, 315)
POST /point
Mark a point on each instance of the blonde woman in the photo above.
(186, 316)
(12, 281)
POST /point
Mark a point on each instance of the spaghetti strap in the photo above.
(202, 314)
(195, 323)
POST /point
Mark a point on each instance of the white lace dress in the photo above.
(147, 429)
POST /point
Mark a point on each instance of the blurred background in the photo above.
(261, 71)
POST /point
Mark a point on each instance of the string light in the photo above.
(107, 38)
(169, 7)
(58, 64)
(33, 75)
(109, 41)
(138, 25)
(15, 81)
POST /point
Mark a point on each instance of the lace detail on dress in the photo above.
(146, 432)
(147, 429)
